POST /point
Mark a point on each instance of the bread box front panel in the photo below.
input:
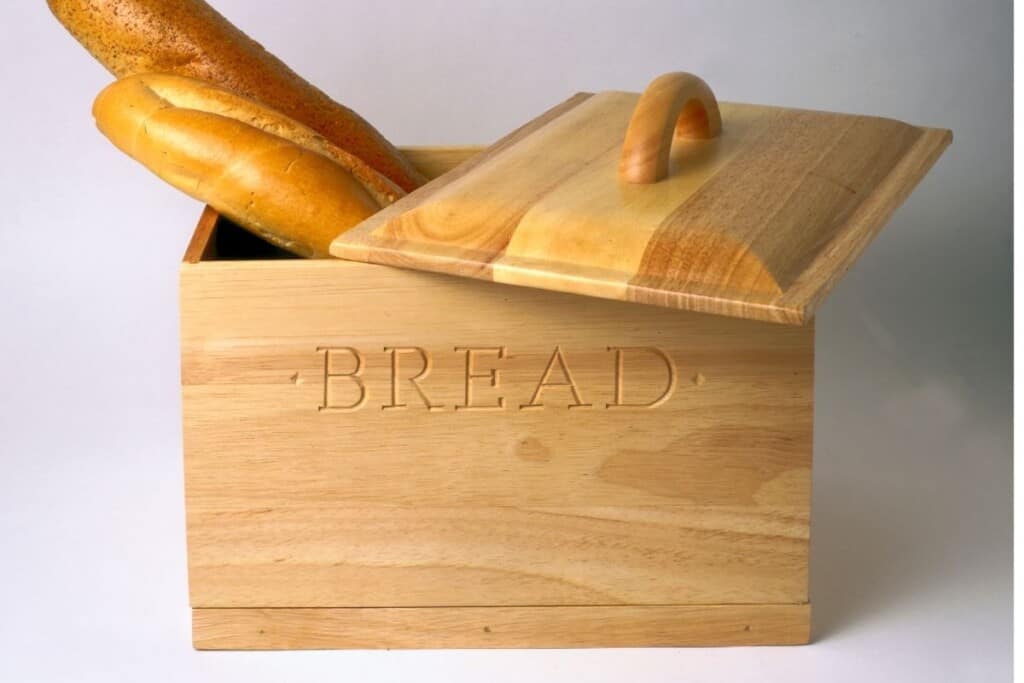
(358, 435)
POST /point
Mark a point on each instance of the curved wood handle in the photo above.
(674, 104)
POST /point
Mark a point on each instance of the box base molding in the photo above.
(323, 628)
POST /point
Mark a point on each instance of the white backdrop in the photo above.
(910, 574)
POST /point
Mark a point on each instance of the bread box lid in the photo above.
(666, 198)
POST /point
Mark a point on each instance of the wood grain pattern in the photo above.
(758, 223)
(500, 627)
(703, 498)
(554, 453)
(432, 162)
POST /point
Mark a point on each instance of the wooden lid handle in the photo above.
(674, 104)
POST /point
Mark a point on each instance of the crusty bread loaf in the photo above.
(189, 38)
(265, 171)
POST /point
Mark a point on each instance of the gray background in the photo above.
(911, 545)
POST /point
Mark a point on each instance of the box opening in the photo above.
(218, 239)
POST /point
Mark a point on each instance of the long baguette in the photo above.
(189, 38)
(266, 172)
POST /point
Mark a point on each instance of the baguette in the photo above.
(189, 38)
(265, 171)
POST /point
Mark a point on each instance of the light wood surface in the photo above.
(759, 222)
(505, 627)
(434, 161)
(336, 498)
(503, 447)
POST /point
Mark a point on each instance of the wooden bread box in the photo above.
(589, 425)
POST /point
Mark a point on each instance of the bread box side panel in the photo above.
(358, 435)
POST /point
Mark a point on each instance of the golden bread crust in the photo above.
(263, 170)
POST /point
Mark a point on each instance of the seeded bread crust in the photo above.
(189, 38)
